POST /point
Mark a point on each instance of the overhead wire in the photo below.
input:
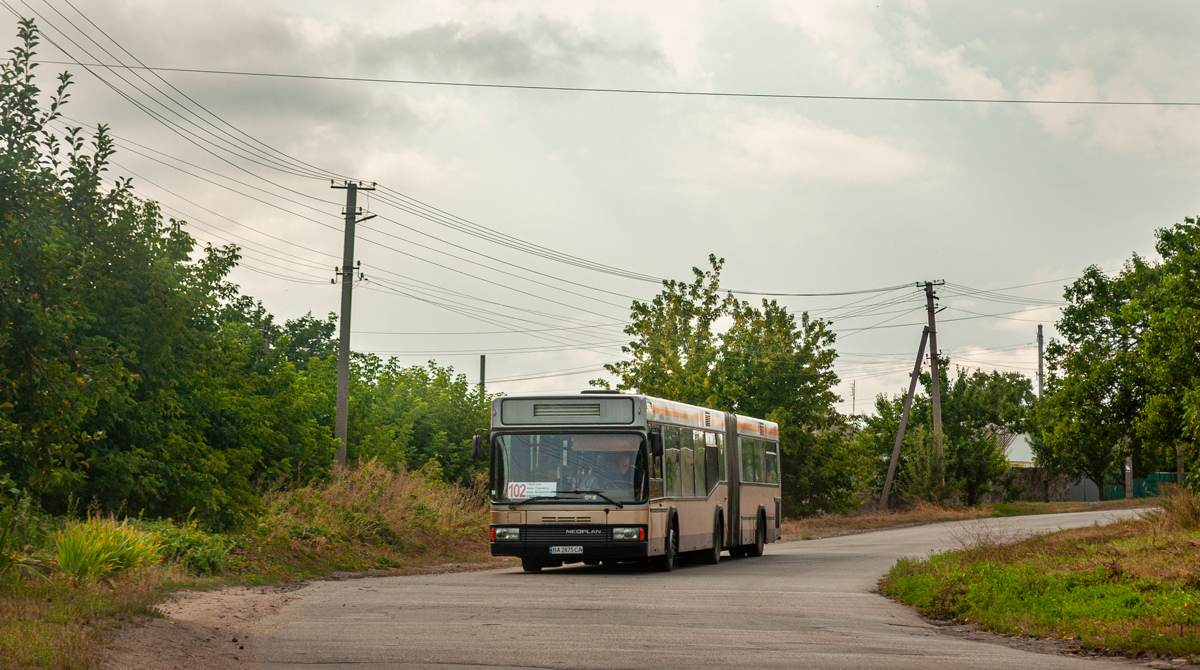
(407, 203)
(665, 92)
(283, 156)
(520, 245)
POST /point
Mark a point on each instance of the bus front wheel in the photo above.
(670, 558)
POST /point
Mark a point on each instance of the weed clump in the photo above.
(87, 550)
(373, 516)
(1178, 510)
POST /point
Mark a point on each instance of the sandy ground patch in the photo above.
(206, 630)
(217, 630)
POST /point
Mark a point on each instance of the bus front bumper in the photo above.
(570, 545)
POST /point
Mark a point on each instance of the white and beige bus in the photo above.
(608, 477)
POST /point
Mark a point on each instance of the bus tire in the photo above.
(670, 558)
(531, 565)
(713, 556)
(760, 538)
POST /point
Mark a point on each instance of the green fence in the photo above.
(1146, 487)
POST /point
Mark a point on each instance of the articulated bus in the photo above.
(608, 477)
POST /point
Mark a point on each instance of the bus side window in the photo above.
(656, 472)
(747, 447)
(721, 456)
(772, 463)
(698, 445)
(671, 460)
(687, 465)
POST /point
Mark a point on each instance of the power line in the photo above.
(485, 332)
(643, 91)
(399, 200)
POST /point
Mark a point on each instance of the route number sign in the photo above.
(518, 490)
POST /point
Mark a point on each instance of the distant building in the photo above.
(1020, 454)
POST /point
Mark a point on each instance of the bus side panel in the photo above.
(695, 524)
(755, 496)
(733, 474)
(659, 511)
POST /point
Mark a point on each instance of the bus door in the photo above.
(733, 471)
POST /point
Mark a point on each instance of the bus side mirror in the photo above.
(656, 445)
(477, 446)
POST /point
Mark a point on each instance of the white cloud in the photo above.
(847, 38)
(769, 143)
(958, 77)
(1119, 66)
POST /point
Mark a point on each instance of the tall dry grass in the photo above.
(1178, 510)
(918, 512)
(372, 516)
(60, 625)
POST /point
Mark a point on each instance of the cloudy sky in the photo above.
(799, 196)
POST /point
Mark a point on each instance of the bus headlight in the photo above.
(626, 534)
(503, 534)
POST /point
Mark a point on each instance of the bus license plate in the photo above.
(566, 550)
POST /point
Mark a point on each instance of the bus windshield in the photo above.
(589, 467)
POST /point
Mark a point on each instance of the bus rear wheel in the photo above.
(713, 556)
(760, 539)
(531, 565)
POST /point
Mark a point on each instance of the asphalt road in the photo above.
(803, 604)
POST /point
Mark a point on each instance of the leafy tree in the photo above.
(674, 347)
(1123, 378)
(765, 364)
(131, 374)
(1165, 310)
(924, 472)
(976, 407)
(134, 374)
(1095, 382)
(307, 337)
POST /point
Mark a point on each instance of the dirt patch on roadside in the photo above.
(216, 630)
(207, 630)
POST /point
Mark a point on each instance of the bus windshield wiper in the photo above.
(599, 494)
(511, 505)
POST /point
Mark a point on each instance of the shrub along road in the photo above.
(803, 604)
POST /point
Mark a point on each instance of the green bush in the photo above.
(94, 548)
(201, 552)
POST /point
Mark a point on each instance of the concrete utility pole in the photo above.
(912, 389)
(482, 375)
(1040, 371)
(347, 273)
(1129, 477)
(935, 374)
(854, 398)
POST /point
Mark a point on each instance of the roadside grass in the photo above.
(371, 517)
(1130, 587)
(60, 624)
(828, 525)
(64, 584)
